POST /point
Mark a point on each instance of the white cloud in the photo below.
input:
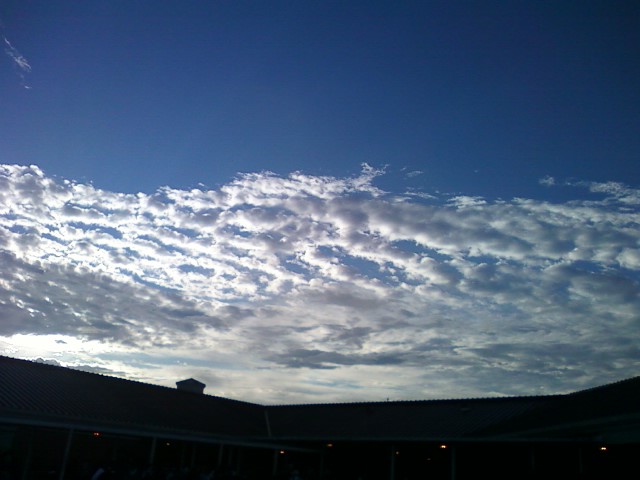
(19, 61)
(352, 292)
(548, 181)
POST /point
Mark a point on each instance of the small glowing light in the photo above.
(168, 444)
(329, 445)
(443, 446)
(282, 452)
(397, 452)
(96, 434)
(603, 449)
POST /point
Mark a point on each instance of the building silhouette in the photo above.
(61, 423)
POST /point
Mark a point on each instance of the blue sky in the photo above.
(450, 187)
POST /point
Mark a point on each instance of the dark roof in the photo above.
(606, 412)
(426, 420)
(42, 394)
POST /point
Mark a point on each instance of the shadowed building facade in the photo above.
(61, 423)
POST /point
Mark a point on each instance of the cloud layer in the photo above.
(306, 288)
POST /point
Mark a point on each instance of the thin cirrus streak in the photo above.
(328, 278)
(21, 63)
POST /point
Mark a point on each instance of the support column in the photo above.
(231, 452)
(192, 462)
(580, 462)
(183, 454)
(27, 460)
(321, 468)
(65, 456)
(532, 459)
(392, 464)
(274, 468)
(220, 455)
(152, 451)
(239, 460)
(453, 462)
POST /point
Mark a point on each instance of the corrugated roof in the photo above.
(33, 392)
(49, 392)
(433, 419)
(588, 413)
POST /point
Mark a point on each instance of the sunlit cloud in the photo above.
(300, 288)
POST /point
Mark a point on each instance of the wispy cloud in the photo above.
(306, 288)
(19, 61)
(548, 181)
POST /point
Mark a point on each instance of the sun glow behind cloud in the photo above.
(307, 288)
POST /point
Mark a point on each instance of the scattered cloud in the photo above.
(548, 181)
(308, 288)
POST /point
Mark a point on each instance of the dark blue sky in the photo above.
(485, 98)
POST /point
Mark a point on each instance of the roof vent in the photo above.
(191, 385)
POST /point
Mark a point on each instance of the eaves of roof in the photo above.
(48, 393)
(417, 420)
(38, 394)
